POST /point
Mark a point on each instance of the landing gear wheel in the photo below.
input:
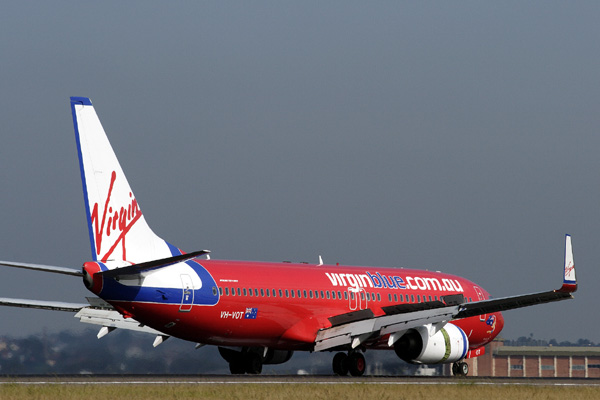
(237, 367)
(253, 363)
(460, 369)
(340, 364)
(356, 364)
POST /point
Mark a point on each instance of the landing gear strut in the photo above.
(353, 362)
(460, 368)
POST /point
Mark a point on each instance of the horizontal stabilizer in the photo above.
(145, 266)
(46, 268)
(44, 305)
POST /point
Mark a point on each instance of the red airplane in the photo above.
(258, 312)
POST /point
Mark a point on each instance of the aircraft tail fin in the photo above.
(117, 228)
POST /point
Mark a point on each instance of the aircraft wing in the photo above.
(352, 329)
(357, 332)
(96, 312)
(111, 320)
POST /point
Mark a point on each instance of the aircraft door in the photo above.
(357, 298)
(480, 296)
(187, 297)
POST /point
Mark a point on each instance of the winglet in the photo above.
(569, 281)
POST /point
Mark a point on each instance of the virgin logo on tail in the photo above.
(115, 221)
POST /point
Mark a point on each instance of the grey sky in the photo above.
(459, 136)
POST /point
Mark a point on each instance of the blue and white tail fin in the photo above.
(117, 228)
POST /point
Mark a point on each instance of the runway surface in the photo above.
(282, 380)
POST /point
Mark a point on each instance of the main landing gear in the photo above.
(460, 368)
(353, 362)
(248, 363)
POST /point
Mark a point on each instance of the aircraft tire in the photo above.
(237, 367)
(340, 364)
(356, 364)
(463, 368)
(460, 369)
(253, 363)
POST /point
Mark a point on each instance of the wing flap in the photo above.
(111, 319)
(379, 326)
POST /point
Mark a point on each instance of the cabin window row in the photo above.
(399, 298)
(324, 294)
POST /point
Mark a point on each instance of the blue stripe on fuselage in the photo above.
(116, 291)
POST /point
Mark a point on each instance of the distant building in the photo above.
(536, 361)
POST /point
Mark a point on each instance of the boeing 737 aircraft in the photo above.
(258, 312)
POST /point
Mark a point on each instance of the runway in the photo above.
(284, 380)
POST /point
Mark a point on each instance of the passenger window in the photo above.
(362, 295)
(402, 298)
(250, 292)
(316, 294)
(412, 298)
(333, 294)
(262, 292)
(345, 295)
(226, 291)
(299, 294)
(256, 292)
(293, 295)
(244, 291)
(287, 294)
(239, 292)
(327, 294)
(378, 297)
(339, 295)
(322, 296)
(368, 296)
(305, 296)
(280, 293)
(396, 298)
(310, 294)
(268, 293)
(418, 298)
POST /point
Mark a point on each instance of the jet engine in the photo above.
(427, 345)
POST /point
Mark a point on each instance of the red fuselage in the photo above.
(283, 305)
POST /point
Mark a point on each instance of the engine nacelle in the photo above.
(449, 344)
